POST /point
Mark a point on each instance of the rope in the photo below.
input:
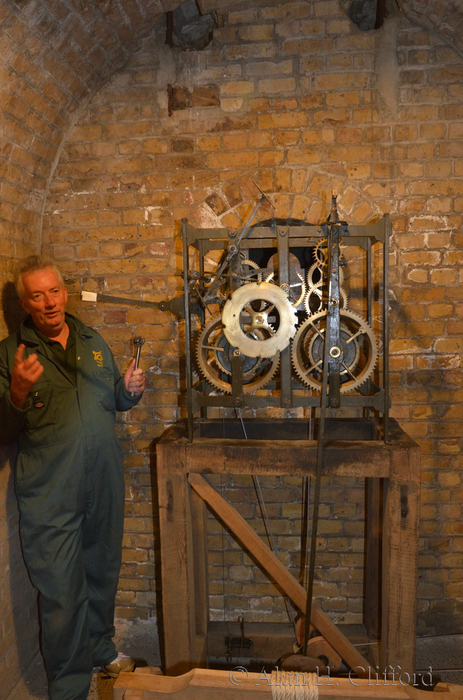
(289, 685)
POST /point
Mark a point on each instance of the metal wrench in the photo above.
(138, 342)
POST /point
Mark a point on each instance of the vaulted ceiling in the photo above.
(54, 54)
(83, 42)
(442, 17)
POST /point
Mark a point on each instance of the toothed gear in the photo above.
(317, 272)
(214, 353)
(254, 267)
(313, 300)
(259, 307)
(320, 252)
(296, 304)
(359, 348)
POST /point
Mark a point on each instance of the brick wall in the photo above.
(308, 105)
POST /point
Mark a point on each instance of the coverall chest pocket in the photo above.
(103, 386)
(43, 411)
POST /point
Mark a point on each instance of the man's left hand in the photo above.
(134, 379)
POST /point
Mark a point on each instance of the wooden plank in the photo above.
(205, 684)
(277, 429)
(373, 517)
(295, 457)
(400, 561)
(278, 572)
(200, 571)
(175, 531)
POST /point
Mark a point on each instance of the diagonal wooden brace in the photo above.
(278, 572)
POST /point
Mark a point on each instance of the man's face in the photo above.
(45, 300)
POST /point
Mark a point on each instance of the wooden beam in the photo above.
(400, 560)
(295, 457)
(373, 516)
(278, 572)
(206, 684)
(185, 614)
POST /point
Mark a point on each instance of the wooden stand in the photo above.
(353, 448)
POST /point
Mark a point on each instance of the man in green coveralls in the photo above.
(59, 392)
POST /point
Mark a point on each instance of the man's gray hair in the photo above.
(32, 264)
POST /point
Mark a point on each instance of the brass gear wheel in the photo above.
(259, 307)
(358, 343)
(320, 253)
(214, 353)
(321, 250)
(297, 301)
(313, 300)
(251, 269)
(315, 275)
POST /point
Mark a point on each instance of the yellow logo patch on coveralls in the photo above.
(98, 357)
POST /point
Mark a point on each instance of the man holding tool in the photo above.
(59, 392)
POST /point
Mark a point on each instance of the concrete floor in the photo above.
(443, 654)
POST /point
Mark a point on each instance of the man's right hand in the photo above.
(24, 375)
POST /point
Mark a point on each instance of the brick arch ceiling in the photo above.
(56, 53)
(441, 17)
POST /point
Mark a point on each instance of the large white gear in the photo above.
(214, 356)
(259, 307)
(359, 346)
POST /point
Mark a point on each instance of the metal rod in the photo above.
(321, 433)
(316, 500)
(386, 327)
(305, 530)
(121, 300)
(186, 300)
(235, 247)
(265, 518)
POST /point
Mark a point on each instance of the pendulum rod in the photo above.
(316, 500)
(265, 518)
(332, 328)
(305, 529)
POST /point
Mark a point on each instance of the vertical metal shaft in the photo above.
(188, 359)
(316, 501)
(321, 434)
(386, 327)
